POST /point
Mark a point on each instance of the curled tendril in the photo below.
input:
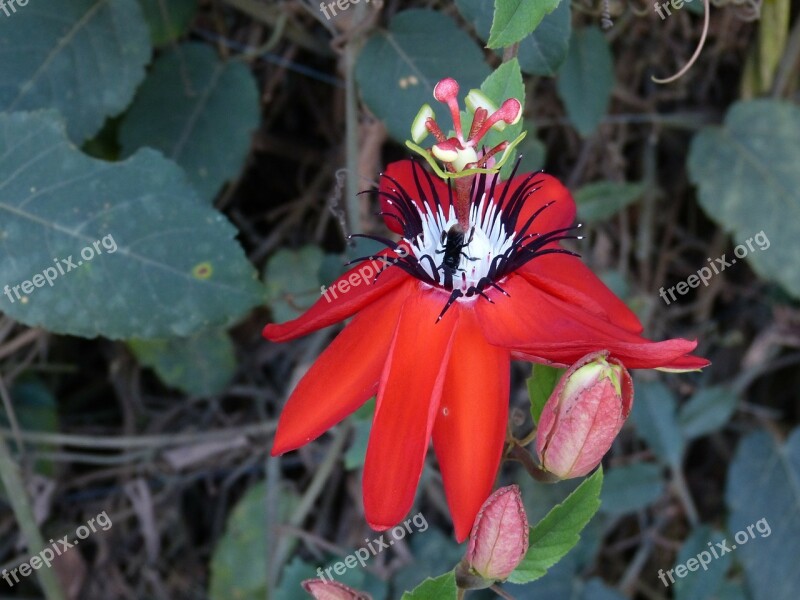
(699, 49)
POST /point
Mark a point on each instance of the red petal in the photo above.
(471, 421)
(567, 278)
(336, 305)
(403, 173)
(411, 386)
(540, 326)
(344, 376)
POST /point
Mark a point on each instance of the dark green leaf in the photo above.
(201, 365)
(747, 177)
(654, 414)
(84, 58)
(293, 284)
(397, 69)
(559, 531)
(600, 200)
(597, 590)
(239, 558)
(586, 79)
(479, 13)
(544, 51)
(168, 19)
(707, 411)
(199, 111)
(707, 574)
(150, 260)
(763, 497)
(631, 488)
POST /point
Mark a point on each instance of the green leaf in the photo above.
(544, 51)
(514, 19)
(84, 58)
(586, 79)
(201, 365)
(239, 558)
(150, 260)
(706, 578)
(438, 588)
(293, 282)
(541, 383)
(654, 414)
(397, 69)
(707, 411)
(747, 178)
(504, 83)
(600, 200)
(559, 531)
(199, 111)
(631, 488)
(167, 19)
(763, 494)
(541, 52)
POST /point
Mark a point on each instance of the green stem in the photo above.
(20, 504)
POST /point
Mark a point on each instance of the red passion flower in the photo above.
(435, 330)
(438, 316)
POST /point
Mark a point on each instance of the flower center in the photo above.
(458, 259)
(465, 259)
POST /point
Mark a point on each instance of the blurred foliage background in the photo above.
(222, 144)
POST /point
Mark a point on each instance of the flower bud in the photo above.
(583, 415)
(332, 590)
(499, 537)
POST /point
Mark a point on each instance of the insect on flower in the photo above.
(478, 277)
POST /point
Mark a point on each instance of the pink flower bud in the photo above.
(583, 415)
(332, 590)
(499, 537)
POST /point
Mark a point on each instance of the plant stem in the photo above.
(20, 504)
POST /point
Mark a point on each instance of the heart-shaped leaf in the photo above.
(116, 249)
(199, 111)
(397, 69)
(82, 57)
(748, 181)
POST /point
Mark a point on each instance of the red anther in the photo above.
(434, 128)
(477, 121)
(509, 112)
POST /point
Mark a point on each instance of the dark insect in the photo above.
(452, 247)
